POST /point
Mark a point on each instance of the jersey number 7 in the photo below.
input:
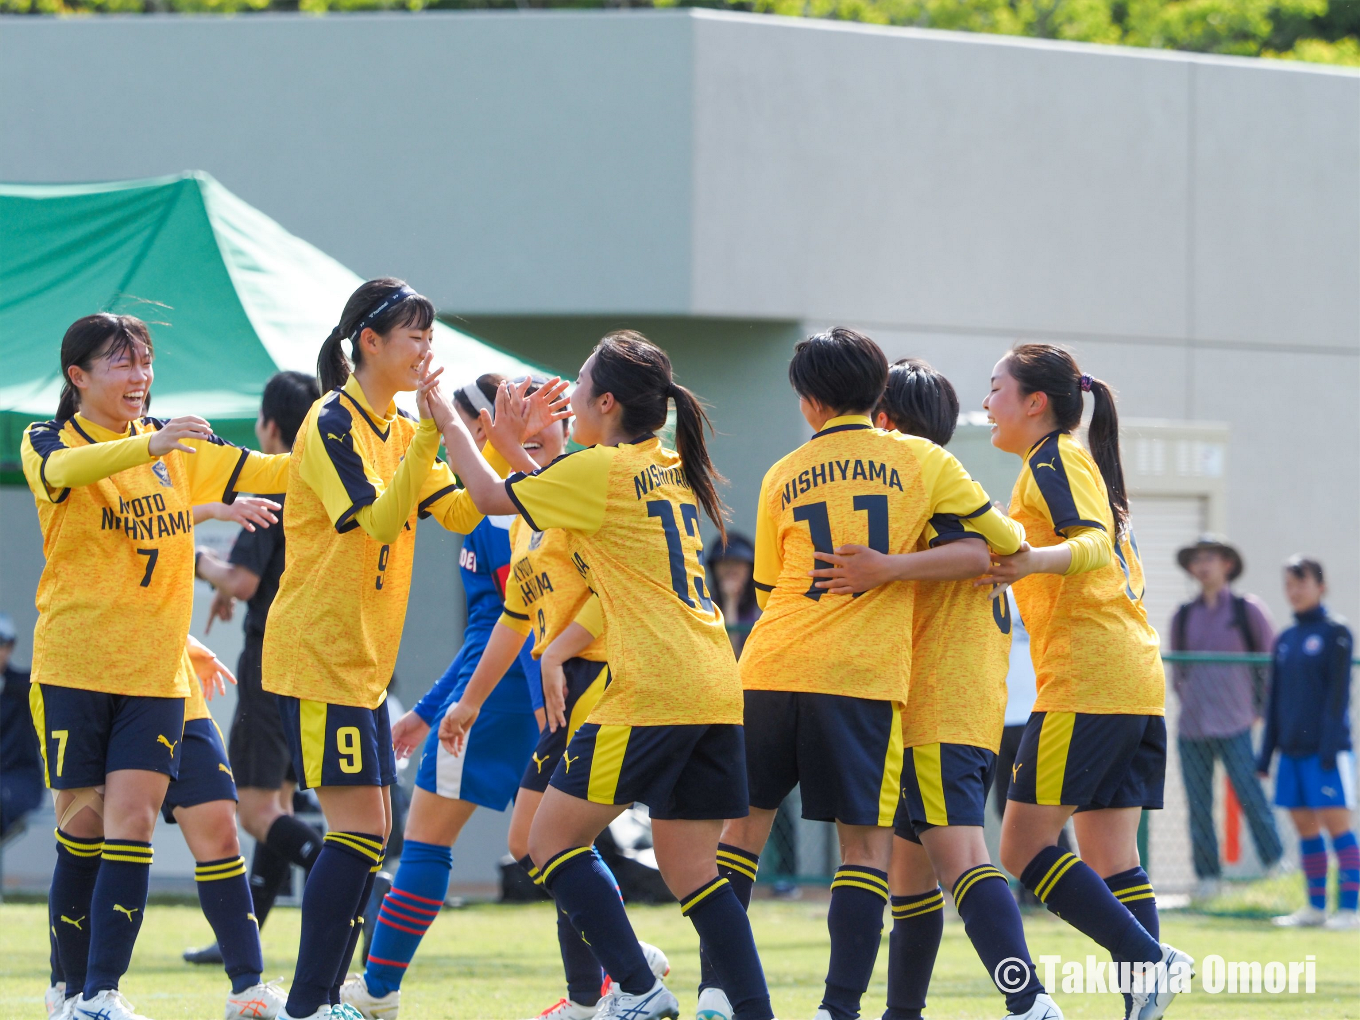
(819, 528)
(676, 552)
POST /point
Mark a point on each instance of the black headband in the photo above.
(395, 297)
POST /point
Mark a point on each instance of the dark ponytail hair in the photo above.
(919, 401)
(411, 312)
(1048, 369)
(101, 335)
(489, 384)
(638, 373)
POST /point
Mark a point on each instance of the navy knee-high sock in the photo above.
(356, 932)
(1070, 889)
(1134, 889)
(583, 888)
(855, 921)
(739, 867)
(68, 905)
(116, 911)
(329, 905)
(268, 873)
(295, 840)
(918, 925)
(224, 895)
(720, 919)
(982, 896)
(585, 976)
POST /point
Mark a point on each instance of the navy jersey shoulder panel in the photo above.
(335, 424)
(1050, 474)
(949, 528)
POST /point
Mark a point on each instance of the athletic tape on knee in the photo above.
(89, 797)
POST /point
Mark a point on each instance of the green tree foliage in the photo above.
(1318, 31)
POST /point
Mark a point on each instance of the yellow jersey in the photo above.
(118, 538)
(634, 524)
(960, 654)
(1093, 648)
(195, 705)
(851, 484)
(336, 622)
(547, 591)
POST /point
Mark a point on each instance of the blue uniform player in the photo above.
(450, 787)
(1308, 722)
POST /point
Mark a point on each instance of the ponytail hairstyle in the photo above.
(486, 385)
(96, 336)
(919, 401)
(381, 305)
(638, 373)
(1049, 369)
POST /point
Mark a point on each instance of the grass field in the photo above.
(501, 962)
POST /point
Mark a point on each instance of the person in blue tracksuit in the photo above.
(1308, 722)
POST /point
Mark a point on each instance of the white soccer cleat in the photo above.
(1044, 1008)
(1205, 889)
(713, 1005)
(264, 1001)
(1151, 1004)
(565, 1009)
(107, 1005)
(341, 1011)
(1307, 916)
(55, 998)
(1343, 920)
(354, 993)
(650, 1005)
(822, 1014)
(656, 959)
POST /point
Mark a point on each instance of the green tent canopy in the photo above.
(231, 297)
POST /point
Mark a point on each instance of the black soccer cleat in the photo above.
(208, 955)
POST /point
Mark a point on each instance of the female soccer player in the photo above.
(450, 786)
(826, 676)
(1096, 741)
(115, 492)
(667, 731)
(952, 727)
(360, 473)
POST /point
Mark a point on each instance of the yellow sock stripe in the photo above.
(125, 858)
(737, 864)
(1057, 871)
(844, 883)
(694, 899)
(344, 839)
(209, 869)
(382, 859)
(236, 868)
(864, 874)
(377, 845)
(1121, 893)
(902, 913)
(1049, 874)
(79, 847)
(971, 878)
(1149, 895)
(560, 859)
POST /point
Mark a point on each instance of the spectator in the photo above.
(21, 769)
(731, 572)
(1309, 722)
(1220, 702)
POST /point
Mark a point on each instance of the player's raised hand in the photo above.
(453, 729)
(408, 733)
(1006, 570)
(250, 511)
(212, 672)
(547, 404)
(430, 399)
(854, 569)
(173, 432)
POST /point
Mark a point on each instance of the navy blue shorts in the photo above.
(85, 735)
(338, 745)
(493, 759)
(943, 784)
(586, 681)
(845, 755)
(677, 771)
(204, 773)
(1090, 762)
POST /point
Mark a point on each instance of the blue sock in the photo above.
(918, 926)
(1133, 888)
(1068, 887)
(418, 891)
(1348, 870)
(584, 890)
(855, 921)
(1313, 856)
(720, 919)
(68, 905)
(116, 911)
(739, 867)
(224, 895)
(982, 896)
(330, 903)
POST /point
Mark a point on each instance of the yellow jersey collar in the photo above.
(97, 433)
(355, 393)
(844, 423)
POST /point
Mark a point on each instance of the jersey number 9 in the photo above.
(677, 553)
(351, 754)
